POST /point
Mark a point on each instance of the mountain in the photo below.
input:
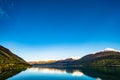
(42, 62)
(8, 60)
(68, 60)
(58, 63)
(109, 49)
(62, 63)
(107, 57)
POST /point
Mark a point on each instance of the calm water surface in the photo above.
(37, 73)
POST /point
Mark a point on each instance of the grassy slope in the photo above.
(8, 60)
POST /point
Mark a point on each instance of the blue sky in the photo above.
(59, 28)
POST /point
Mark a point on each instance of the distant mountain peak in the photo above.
(110, 49)
(75, 57)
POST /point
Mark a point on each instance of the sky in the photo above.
(59, 29)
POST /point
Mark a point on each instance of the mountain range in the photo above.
(107, 57)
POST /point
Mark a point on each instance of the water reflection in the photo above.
(104, 73)
(6, 73)
(47, 70)
(77, 73)
(38, 73)
(99, 73)
(56, 71)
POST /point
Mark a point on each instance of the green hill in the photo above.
(103, 58)
(8, 60)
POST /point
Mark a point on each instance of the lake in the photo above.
(37, 73)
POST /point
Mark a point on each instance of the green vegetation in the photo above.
(107, 58)
(106, 62)
(10, 61)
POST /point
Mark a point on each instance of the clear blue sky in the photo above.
(55, 27)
